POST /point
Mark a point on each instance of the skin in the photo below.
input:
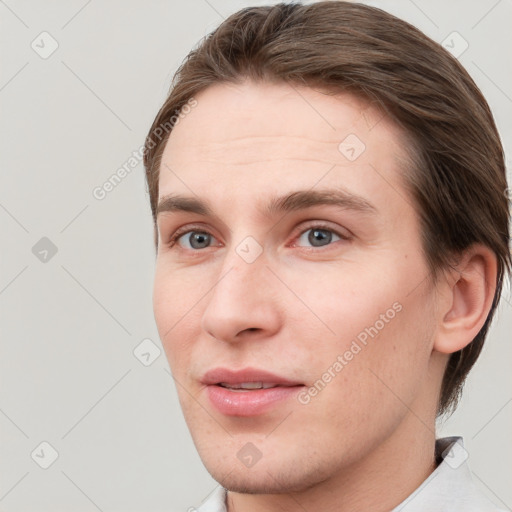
(366, 441)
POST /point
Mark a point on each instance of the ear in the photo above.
(465, 299)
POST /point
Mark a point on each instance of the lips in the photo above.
(234, 378)
(248, 386)
(247, 392)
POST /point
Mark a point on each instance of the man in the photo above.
(332, 238)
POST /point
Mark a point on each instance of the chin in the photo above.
(281, 478)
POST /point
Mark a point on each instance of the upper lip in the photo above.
(228, 376)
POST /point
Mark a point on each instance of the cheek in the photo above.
(370, 329)
(337, 302)
(385, 351)
(175, 309)
(365, 390)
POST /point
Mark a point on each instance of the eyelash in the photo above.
(189, 229)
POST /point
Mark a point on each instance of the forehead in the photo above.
(249, 134)
(235, 111)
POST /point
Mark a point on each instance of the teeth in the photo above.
(248, 385)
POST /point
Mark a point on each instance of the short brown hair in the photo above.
(458, 182)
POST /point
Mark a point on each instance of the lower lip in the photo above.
(249, 403)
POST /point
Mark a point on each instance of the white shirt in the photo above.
(449, 488)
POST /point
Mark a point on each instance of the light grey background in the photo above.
(69, 325)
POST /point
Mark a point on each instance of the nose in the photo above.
(243, 303)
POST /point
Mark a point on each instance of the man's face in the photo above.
(326, 290)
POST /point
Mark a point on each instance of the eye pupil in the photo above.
(319, 235)
(199, 240)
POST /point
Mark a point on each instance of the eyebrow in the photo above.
(297, 200)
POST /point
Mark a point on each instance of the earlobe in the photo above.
(469, 292)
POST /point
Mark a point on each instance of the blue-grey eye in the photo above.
(195, 240)
(318, 237)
